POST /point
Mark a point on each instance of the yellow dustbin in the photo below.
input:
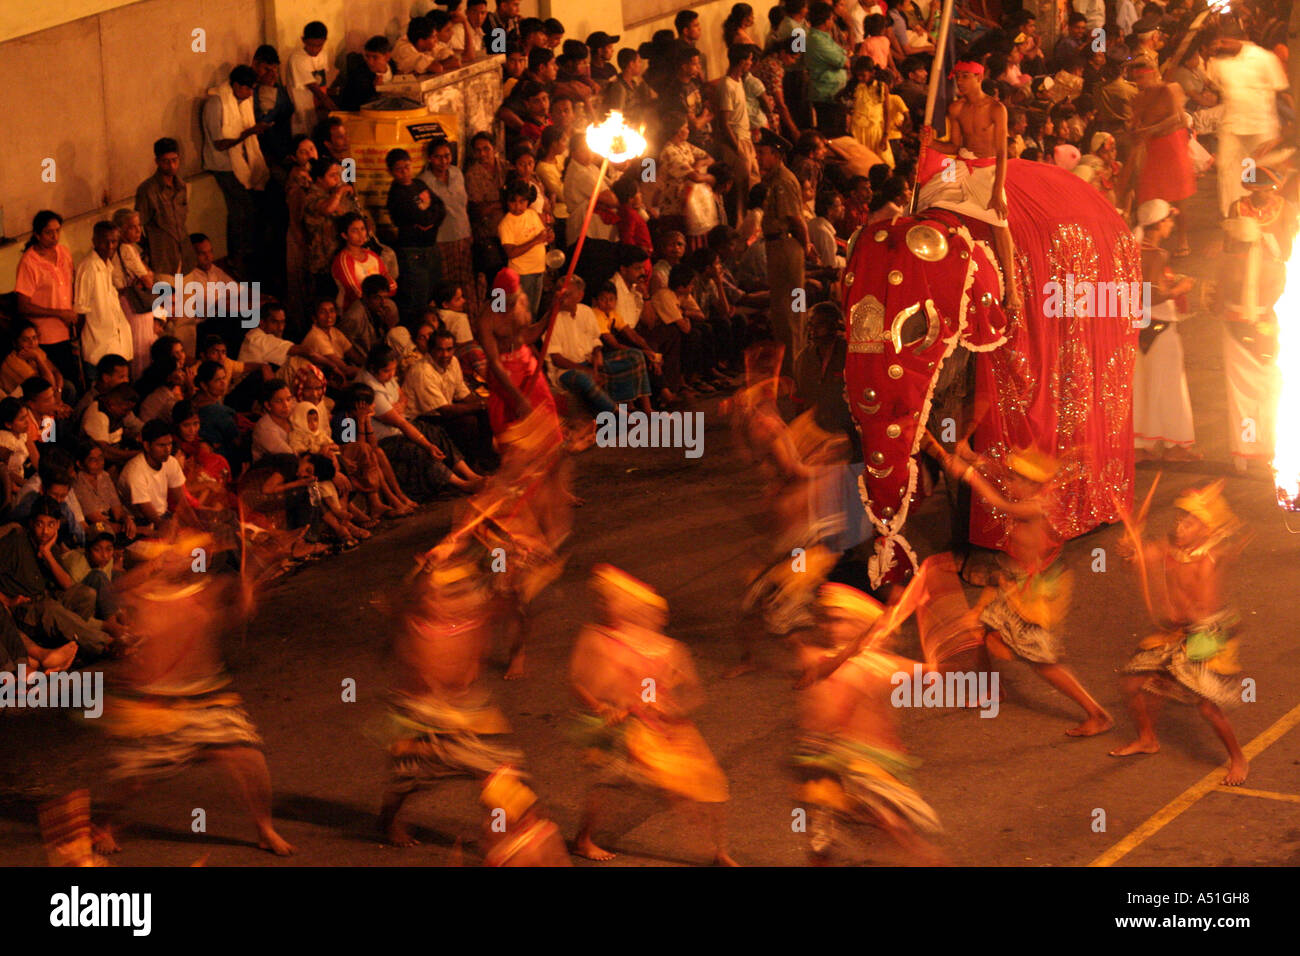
(376, 130)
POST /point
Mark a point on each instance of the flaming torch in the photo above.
(1286, 452)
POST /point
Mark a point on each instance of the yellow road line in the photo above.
(1268, 794)
(1193, 793)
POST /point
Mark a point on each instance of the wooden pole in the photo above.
(932, 93)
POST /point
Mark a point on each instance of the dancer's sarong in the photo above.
(437, 739)
(1193, 663)
(669, 755)
(161, 731)
(860, 781)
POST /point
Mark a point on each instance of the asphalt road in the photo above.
(1012, 790)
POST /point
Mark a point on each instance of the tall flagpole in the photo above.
(932, 93)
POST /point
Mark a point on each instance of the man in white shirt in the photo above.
(104, 421)
(151, 483)
(1249, 79)
(579, 183)
(95, 298)
(232, 154)
(266, 345)
(435, 387)
(206, 275)
(573, 358)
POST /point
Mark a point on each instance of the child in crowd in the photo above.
(524, 237)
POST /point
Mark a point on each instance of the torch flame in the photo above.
(1286, 454)
(1220, 6)
(614, 140)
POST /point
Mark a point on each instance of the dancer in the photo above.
(1193, 658)
(973, 184)
(853, 765)
(1033, 591)
(444, 720)
(638, 686)
(1162, 404)
(801, 463)
(523, 517)
(172, 709)
(514, 388)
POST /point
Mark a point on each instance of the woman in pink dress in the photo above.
(44, 288)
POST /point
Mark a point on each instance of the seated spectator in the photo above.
(821, 231)
(436, 388)
(367, 320)
(366, 464)
(100, 504)
(54, 479)
(218, 424)
(620, 362)
(51, 418)
(355, 261)
(363, 72)
(333, 505)
(328, 342)
(574, 358)
(208, 478)
(95, 568)
(424, 460)
(159, 400)
(110, 372)
(266, 345)
(152, 483)
(271, 433)
(49, 608)
(27, 360)
(104, 422)
(16, 445)
(276, 494)
(244, 378)
(451, 303)
(415, 52)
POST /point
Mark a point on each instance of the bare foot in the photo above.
(585, 848)
(1236, 772)
(516, 669)
(60, 659)
(274, 842)
(104, 841)
(396, 834)
(1138, 746)
(1098, 724)
(721, 859)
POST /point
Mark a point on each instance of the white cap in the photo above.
(1153, 211)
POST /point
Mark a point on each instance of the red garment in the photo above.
(349, 272)
(519, 365)
(633, 230)
(1167, 170)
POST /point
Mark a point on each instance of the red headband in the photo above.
(967, 66)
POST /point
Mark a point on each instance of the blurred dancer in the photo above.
(853, 765)
(1193, 658)
(801, 464)
(523, 517)
(444, 720)
(1032, 593)
(638, 687)
(172, 708)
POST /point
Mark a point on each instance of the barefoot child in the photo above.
(638, 686)
(1033, 590)
(850, 757)
(973, 182)
(1193, 660)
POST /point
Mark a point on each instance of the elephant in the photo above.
(1055, 378)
